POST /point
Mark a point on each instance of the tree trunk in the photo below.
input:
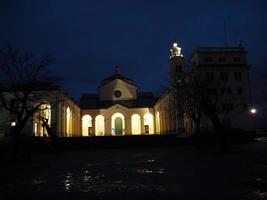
(197, 133)
(15, 131)
(51, 134)
(221, 132)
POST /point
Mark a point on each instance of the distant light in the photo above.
(13, 124)
(174, 44)
(253, 111)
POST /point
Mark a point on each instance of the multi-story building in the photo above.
(118, 108)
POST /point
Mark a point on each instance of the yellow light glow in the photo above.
(99, 125)
(86, 125)
(13, 124)
(118, 128)
(174, 44)
(148, 121)
(68, 121)
(136, 124)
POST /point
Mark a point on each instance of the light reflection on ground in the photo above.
(159, 172)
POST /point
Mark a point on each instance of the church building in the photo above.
(118, 108)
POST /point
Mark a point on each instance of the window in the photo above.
(208, 59)
(236, 59)
(238, 76)
(224, 76)
(117, 93)
(222, 59)
(239, 90)
(210, 76)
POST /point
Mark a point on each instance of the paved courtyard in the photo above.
(148, 173)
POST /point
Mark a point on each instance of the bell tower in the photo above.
(176, 63)
(177, 74)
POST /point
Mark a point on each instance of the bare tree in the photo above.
(201, 97)
(22, 78)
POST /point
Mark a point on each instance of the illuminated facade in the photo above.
(119, 109)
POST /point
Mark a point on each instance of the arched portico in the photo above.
(117, 124)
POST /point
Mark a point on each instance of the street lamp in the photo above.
(13, 124)
(253, 111)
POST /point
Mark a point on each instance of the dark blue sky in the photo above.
(89, 37)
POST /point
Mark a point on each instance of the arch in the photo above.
(136, 124)
(43, 115)
(117, 124)
(149, 123)
(68, 121)
(86, 125)
(99, 125)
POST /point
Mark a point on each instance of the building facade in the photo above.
(118, 108)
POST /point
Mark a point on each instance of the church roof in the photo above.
(116, 75)
(144, 99)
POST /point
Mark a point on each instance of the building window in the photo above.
(239, 91)
(208, 59)
(238, 76)
(210, 76)
(222, 59)
(236, 59)
(224, 76)
(117, 93)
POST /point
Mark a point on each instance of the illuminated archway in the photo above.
(117, 124)
(68, 121)
(99, 125)
(42, 116)
(149, 123)
(136, 124)
(86, 125)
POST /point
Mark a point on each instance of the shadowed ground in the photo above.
(177, 172)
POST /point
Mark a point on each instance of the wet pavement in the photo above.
(157, 173)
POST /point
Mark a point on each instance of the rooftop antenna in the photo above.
(225, 34)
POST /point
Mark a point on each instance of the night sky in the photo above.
(89, 37)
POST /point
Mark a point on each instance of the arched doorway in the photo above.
(157, 122)
(86, 125)
(149, 123)
(136, 124)
(68, 122)
(118, 124)
(99, 125)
